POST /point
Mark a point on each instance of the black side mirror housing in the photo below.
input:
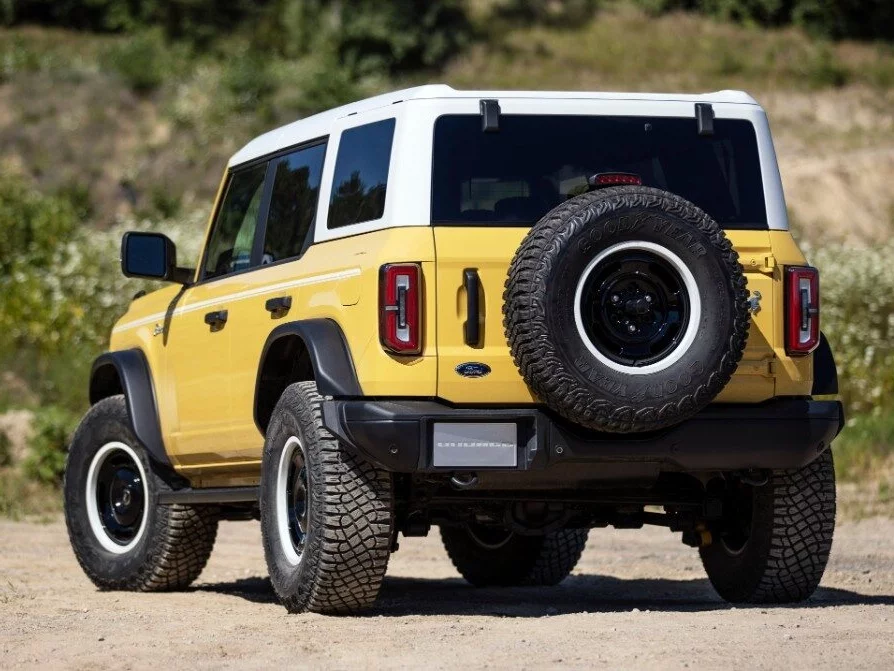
(151, 256)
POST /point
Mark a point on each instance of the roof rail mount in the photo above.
(490, 116)
(704, 117)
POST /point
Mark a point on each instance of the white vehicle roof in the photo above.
(320, 124)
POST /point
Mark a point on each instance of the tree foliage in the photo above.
(860, 19)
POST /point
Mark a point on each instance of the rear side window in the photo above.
(229, 248)
(361, 174)
(533, 163)
(293, 202)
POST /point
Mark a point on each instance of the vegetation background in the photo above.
(120, 114)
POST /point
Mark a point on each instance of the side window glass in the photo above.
(229, 248)
(361, 174)
(293, 202)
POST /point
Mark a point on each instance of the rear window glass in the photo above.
(516, 175)
(361, 174)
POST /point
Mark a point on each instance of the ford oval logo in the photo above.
(473, 369)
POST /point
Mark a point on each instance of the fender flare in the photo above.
(135, 379)
(825, 373)
(330, 358)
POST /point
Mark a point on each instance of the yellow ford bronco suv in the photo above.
(516, 316)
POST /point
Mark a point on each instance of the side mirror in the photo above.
(151, 256)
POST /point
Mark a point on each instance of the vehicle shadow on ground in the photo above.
(402, 596)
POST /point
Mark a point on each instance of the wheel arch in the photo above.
(127, 372)
(301, 351)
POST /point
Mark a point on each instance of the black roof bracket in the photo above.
(490, 116)
(704, 117)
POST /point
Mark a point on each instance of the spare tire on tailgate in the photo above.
(626, 309)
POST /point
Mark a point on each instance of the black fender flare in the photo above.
(330, 358)
(133, 374)
(825, 373)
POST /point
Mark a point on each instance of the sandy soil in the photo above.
(637, 599)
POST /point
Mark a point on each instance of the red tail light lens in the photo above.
(802, 311)
(400, 309)
(613, 179)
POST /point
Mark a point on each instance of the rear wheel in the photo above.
(774, 541)
(486, 555)
(326, 514)
(122, 537)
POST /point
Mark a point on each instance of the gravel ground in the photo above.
(637, 599)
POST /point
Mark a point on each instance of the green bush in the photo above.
(51, 433)
(562, 13)
(5, 449)
(861, 19)
(867, 441)
(857, 297)
(142, 60)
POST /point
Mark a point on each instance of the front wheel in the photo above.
(496, 556)
(122, 537)
(774, 541)
(326, 514)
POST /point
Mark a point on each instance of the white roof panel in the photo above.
(319, 125)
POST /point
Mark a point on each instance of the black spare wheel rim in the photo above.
(120, 499)
(626, 310)
(634, 307)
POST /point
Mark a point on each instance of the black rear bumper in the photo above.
(783, 433)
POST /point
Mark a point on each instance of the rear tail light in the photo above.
(802, 310)
(400, 309)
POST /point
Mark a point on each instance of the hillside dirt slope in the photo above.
(637, 599)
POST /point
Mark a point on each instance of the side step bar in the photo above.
(210, 495)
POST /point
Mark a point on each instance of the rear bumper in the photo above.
(783, 433)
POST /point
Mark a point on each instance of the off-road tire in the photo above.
(523, 560)
(349, 535)
(177, 540)
(539, 303)
(786, 553)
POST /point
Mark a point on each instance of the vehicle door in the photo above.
(274, 291)
(198, 338)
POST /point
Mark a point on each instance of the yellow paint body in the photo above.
(205, 380)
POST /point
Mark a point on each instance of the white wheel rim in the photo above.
(695, 308)
(293, 557)
(93, 516)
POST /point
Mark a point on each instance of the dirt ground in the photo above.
(637, 599)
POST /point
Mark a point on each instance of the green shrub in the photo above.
(866, 19)
(5, 449)
(561, 13)
(142, 60)
(857, 295)
(51, 433)
(866, 442)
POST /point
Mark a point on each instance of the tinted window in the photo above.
(361, 174)
(229, 248)
(293, 202)
(533, 163)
